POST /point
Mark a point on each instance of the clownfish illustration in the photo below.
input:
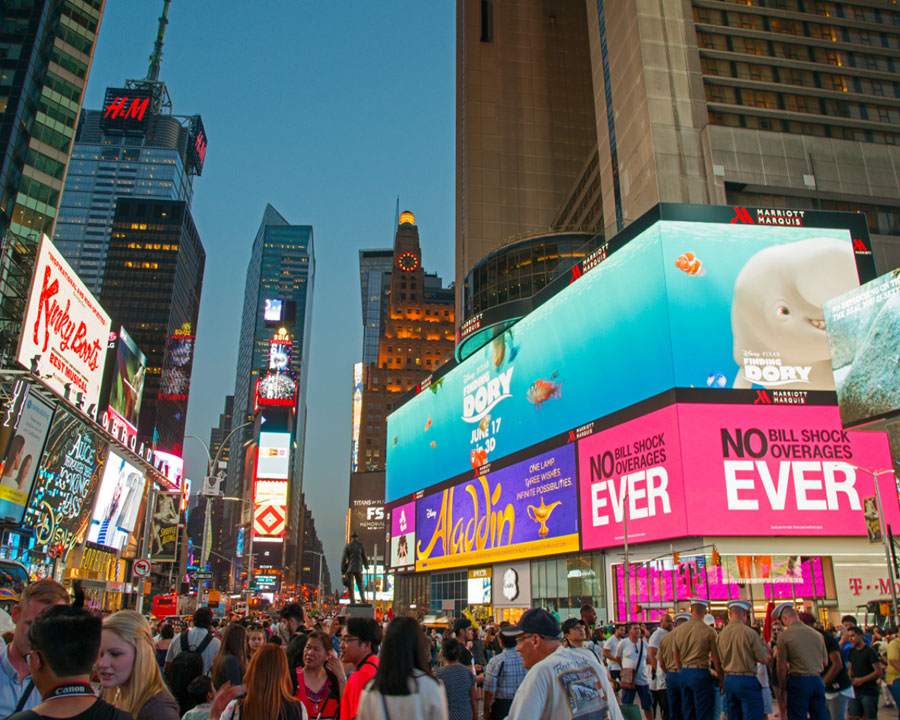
(478, 457)
(691, 264)
(428, 424)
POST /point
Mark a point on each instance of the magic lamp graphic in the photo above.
(541, 515)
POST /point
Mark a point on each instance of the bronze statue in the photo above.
(352, 563)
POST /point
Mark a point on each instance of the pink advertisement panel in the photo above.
(780, 470)
(633, 468)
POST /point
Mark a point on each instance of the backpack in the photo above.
(186, 666)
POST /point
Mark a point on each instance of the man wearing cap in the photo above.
(657, 677)
(801, 656)
(561, 682)
(740, 648)
(666, 665)
(695, 645)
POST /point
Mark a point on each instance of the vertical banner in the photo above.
(164, 527)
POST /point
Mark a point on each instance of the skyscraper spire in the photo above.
(156, 55)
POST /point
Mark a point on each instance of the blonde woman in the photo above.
(129, 674)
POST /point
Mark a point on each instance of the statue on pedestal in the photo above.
(352, 563)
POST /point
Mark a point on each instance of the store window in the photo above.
(449, 592)
(564, 584)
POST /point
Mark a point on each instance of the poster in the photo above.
(118, 503)
(25, 422)
(164, 527)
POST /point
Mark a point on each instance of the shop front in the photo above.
(511, 591)
(102, 575)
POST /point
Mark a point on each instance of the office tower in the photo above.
(771, 103)
(281, 268)
(374, 279)
(217, 435)
(416, 337)
(48, 47)
(152, 284)
(314, 573)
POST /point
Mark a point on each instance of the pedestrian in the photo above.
(268, 686)
(63, 646)
(17, 690)
(740, 649)
(230, 662)
(694, 650)
(801, 658)
(560, 683)
(610, 650)
(502, 677)
(459, 682)
(256, 638)
(838, 688)
(292, 623)
(666, 664)
(631, 655)
(892, 669)
(359, 647)
(161, 643)
(129, 674)
(865, 669)
(201, 692)
(403, 687)
(197, 639)
(657, 678)
(462, 631)
(321, 678)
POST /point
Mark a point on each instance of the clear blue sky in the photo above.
(329, 111)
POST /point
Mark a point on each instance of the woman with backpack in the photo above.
(129, 674)
(230, 663)
(268, 686)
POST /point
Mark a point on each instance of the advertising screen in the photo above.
(403, 536)
(731, 470)
(357, 416)
(273, 311)
(280, 354)
(710, 305)
(25, 425)
(526, 509)
(367, 511)
(117, 505)
(128, 381)
(67, 483)
(864, 344)
(164, 527)
(65, 330)
(269, 509)
(274, 455)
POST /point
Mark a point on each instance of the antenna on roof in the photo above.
(156, 56)
(396, 219)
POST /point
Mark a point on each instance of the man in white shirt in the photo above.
(657, 677)
(632, 654)
(195, 637)
(561, 683)
(611, 651)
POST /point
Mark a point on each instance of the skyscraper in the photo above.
(583, 114)
(281, 267)
(374, 280)
(151, 285)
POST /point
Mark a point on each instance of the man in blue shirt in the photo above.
(17, 692)
(502, 677)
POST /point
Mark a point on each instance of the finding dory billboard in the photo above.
(682, 304)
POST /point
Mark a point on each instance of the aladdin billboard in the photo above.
(680, 305)
(65, 329)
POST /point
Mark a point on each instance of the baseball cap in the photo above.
(570, 623)
(537, 621)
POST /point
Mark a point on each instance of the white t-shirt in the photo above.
(654, 641)
(565, 685)
(195, 637)
(634, 655)
(612, 645)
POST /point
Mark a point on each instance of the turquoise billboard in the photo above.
(681, 305)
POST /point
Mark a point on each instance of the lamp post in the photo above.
(204, 552)
(884, 536)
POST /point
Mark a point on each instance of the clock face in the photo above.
(407, 261)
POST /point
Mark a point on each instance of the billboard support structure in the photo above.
(884, 538)
(145, 545)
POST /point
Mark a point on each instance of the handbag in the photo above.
(627, 676)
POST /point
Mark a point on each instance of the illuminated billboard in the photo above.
(357, 416)
(730, 470)
(126, 109)
(269, 509)
(403, 536)
(274, 456)
(280, 349)
(863, 338)
(67, 483)
(118, 503)
(128, 381)
(164, 527)
(273, 310)
(367, 511)
(529, 508)
(23, 430)
(65, 330)
(682, 304)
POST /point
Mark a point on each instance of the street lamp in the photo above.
(884, 535)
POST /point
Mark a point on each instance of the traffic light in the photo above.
(60, 548)
(675, 558)
(716, 560)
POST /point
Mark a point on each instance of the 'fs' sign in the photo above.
(374, 513)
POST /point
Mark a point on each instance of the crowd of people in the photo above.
(65, 661)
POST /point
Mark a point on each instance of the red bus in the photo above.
(165, 606)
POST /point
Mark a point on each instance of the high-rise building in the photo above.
(374, 280)
(217, 451)
(281, 268)
(314, 572)
(152, 284)
(583, 114)
(415, 317)
(48, 47)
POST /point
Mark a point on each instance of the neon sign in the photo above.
(126, 108)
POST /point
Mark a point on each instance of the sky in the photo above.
(329, 111)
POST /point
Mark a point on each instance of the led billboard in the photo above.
(127, 388)
(274, 456)
(118, 503)
(863, 338)
(65, 332)
(23, 431)
(367, 511)
(529, 508)
(68, 479)
(730, 470)
(682, 304)
(273, 310)
(403, 536)
(357, 416)
(164, 527)
(269, 509)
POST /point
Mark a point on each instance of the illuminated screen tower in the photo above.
(277, 295)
